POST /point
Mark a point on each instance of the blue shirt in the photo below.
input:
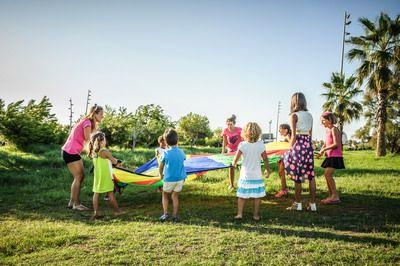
(174, 170)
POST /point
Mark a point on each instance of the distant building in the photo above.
(267, 137)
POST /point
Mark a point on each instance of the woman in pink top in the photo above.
(72, 148)
(334, 156)
(231, 137)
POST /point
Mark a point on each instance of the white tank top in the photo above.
(304, 122)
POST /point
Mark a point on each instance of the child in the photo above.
(334, 157)
(172, 172)
(299, 160)
(251, 184)
(162, 147)
(103, 180)
(286, 134)
(231, 137)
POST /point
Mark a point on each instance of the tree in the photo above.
(340, 99)
(117, 126)
(194, 127)
(33, 123)
(216, 139)
(378, 51)
(149, 123)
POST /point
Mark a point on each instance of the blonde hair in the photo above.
(251, 132)
(95, 109)
(298, 103)
(94, 144)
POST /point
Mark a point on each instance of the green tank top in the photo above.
(103, 178)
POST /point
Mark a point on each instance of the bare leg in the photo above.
(113, 200)
(312, 190)
(331, 183)
(78, 173)
(96, 204)
(165, 201)
(256, 213)
(175, 203)
(297, 194)
(281, 172)
(241, 204)
(232, 176)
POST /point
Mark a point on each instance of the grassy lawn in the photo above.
(36, 228)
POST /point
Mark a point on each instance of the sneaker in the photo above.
(281, 193)
(312, 207)
(106, 198)
(164, 217)
(296, 206)
(80, 207)
(176, 219)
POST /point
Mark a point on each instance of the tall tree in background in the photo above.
(193, 127)
(340, 99)
(378, 51)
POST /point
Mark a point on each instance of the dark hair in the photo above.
(171, 137)
(232, 119)
(298, 103)
(95, 109)
(94, 144)
(287, 127)
(329, 116)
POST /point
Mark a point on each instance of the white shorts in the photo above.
(173, 186)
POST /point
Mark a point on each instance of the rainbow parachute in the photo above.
(147, 174)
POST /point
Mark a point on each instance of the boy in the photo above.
(172, 172)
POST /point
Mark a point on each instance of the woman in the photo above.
(72, 149)
(231, 137)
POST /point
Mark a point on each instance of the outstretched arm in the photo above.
(236, 158)
(266, 163)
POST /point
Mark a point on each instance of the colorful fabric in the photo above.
(147, 174)
(103, 175)
(250, 188)
(299, 160)
(174, 169)
(251, 164)
(233, 138)
(76, 139)
(336, 152)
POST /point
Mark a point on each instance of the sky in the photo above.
(214, 58)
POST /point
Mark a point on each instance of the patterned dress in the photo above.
(299, 160)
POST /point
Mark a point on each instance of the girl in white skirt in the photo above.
(251, 183)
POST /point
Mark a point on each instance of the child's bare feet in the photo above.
(238, 217)
(257, 218)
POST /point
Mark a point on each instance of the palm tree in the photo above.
(377, 50)
(340, 99)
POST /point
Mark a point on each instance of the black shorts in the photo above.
(69, 158)
(333, 162)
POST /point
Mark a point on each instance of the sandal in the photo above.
(237, 218)
(331, 202)
(281, 193)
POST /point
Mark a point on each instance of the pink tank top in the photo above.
(336, 152)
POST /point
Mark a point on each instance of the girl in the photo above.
(299, 160)
(72, 148)
(103, 179)
(286, 134)
(251, 184)
(334, 157)
(231, 137)
(162, 147)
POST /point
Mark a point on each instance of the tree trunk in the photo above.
(381, 118)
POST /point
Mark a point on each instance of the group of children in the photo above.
(297, 163)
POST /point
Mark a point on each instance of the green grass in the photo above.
(37, 229)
